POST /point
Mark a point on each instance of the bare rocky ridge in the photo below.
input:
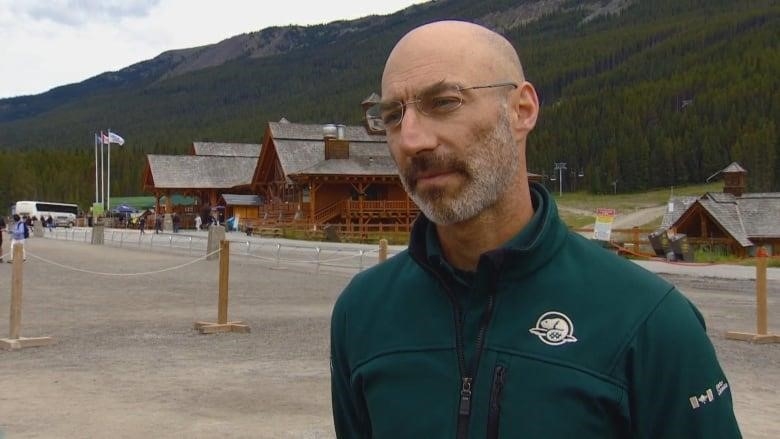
(278, 40)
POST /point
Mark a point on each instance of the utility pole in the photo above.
(560, 167)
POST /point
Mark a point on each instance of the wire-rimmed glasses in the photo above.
(436, 101)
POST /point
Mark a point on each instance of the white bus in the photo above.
(62, 214)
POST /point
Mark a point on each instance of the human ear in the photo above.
(524, 107)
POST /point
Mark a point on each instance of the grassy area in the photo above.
(631, 201)
(623, 202)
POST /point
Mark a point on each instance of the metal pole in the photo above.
(560, 167)
(102, 200)
(108, 176)
(96, 167)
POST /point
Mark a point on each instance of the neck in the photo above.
(463, 243)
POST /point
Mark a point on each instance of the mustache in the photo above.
(433, 163)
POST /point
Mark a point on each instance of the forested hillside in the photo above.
(664, 93)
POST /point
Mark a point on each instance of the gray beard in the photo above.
(489, 168)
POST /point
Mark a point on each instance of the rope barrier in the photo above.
(101, 273)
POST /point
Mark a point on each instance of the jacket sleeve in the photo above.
(676, 385)
(348, 410)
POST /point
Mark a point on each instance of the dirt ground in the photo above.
(127, 364)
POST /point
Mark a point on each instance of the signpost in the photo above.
(602, 230)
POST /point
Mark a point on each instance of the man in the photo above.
(497, 321)
(18, 234)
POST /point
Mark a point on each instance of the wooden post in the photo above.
(382, 250)
(16, 292)
(224, 275)
(761, 296)
(762, 327)
(15, 341)
(222, 324)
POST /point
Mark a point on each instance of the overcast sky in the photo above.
(48, 43)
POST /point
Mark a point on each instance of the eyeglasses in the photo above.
(437, 101)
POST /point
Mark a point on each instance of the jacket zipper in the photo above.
(466, 377)
(466, 391)
(494, 411)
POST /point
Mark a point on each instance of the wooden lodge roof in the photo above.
(300, 131)
(300, 149)
(753, 215)
(226, 149)
(200, 172)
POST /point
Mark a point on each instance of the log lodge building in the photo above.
(303, 176)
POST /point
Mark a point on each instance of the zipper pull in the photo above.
(465, 397)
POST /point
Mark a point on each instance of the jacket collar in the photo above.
(531, 248)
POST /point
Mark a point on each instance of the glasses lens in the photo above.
(441, 102)
(391, 113)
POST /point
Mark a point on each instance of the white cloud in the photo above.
(49, 43)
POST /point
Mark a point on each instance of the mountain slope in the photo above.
(644, 93)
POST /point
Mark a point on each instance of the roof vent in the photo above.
(329, 131)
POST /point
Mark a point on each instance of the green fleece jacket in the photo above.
(551, 337)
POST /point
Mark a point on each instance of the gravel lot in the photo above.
(127, 364)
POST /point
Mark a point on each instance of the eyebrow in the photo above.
(425, 91)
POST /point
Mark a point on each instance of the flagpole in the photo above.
(102, 173)
(95, 138)
(108, 175)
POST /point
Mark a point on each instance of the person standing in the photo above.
(198, 222)
(20, 231)
(497, 321)
(158, 220)
(142, 224)
(2, 230)
(176, 220)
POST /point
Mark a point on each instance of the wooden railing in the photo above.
(329, 212)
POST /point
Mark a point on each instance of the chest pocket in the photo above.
(531, 397)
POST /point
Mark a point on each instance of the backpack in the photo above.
(26, 229)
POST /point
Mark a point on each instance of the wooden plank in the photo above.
(24, 342)
(753, 338)
(213, 328)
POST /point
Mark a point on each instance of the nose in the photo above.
(414, 135)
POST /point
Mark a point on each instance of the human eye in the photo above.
(442, 103)
(391, 113)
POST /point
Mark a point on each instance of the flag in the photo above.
(103, 138)
(115, 138)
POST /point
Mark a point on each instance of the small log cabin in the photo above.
(734, 220)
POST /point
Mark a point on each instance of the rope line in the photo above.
(102, 273)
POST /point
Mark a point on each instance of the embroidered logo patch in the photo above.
(554, 328)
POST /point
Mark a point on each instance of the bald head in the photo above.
(453, 50)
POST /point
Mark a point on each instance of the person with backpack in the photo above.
(19, 233)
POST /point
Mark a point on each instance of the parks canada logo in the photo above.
(554, 328)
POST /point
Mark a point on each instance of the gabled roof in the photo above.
(226, 149)
(751, 216)
(300, 150)
(299, 131)
(734, 167)
(678, 206)
(200, 172)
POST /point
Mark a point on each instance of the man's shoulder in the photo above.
(382, 280)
